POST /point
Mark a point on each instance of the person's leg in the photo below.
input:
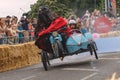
(64, 39)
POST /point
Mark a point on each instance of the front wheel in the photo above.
(93, 49)
(58, 48)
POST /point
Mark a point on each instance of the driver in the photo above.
(58, 23)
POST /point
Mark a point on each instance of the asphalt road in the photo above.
(76, 67)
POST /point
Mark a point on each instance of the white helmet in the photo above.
(72, 22)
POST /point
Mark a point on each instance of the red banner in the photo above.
(102, 25)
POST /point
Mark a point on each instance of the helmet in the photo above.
(72, 22)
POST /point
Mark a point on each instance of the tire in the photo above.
(95, 45)
(93, 49)
(55, 49)
(58, 49)
(45, 60)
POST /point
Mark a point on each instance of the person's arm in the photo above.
(1, 29)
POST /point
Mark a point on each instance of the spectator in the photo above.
(25, 27)
(79, 23)
(1, 32)
(9, 35)
(8, 20)
(34, 22)
(20, 33)
(14, 33)
(72, 17)
(80, 26)
(31, 31)
(86, 15)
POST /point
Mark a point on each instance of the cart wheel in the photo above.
(60, 48)
(57, 48)
(94, 50)
(91, 51)
(95, 45)
(45, 60)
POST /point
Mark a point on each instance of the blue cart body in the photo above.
(75, 42)
(78, 41)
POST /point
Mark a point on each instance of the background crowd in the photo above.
(88, 19)
(13, 31)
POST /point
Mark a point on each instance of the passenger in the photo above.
(72, 24)
(74, 27)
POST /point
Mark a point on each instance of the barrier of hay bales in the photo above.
(17, 56)
(110, 34)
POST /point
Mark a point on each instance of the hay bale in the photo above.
(110, 34)
(17, 56)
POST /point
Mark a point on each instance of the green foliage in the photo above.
(67, 7)
(55, 5)
(118, 6)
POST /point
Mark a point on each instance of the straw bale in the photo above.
(17, 56)
(102, 35)
(2, 50)
(110, 34)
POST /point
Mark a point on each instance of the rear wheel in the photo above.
(45, 60)
(91, 51)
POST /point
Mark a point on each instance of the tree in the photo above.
(55, 5)
(118, 6)
(67, 7)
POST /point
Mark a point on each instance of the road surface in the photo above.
(76, 67)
